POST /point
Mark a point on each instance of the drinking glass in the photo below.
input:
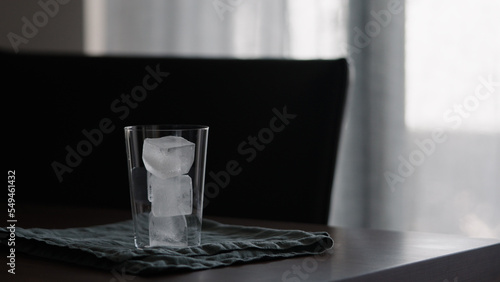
(166, 169)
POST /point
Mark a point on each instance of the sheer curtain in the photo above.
(375, 129)
(421, 150)
(215, 28)
(453, 86)
(420, 146)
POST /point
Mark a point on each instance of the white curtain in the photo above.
(420, 147)
(453, 86)
(216, 28)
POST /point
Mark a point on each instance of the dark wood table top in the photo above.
(358, 255)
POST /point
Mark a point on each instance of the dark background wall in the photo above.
(55, 25)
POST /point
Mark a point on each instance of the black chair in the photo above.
(274, 128)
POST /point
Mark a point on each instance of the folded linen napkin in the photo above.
(111, 246)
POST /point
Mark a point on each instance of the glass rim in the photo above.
(166, 127)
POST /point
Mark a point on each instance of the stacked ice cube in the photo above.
(168, 160)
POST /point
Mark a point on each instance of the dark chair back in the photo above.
(274, 128)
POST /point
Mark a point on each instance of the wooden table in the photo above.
(358, 255)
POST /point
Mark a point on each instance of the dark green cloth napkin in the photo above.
(111, 246)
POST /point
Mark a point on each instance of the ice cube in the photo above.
(168, 231)
(168, 156)
(171, 196)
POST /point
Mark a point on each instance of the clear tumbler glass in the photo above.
(166, 168)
